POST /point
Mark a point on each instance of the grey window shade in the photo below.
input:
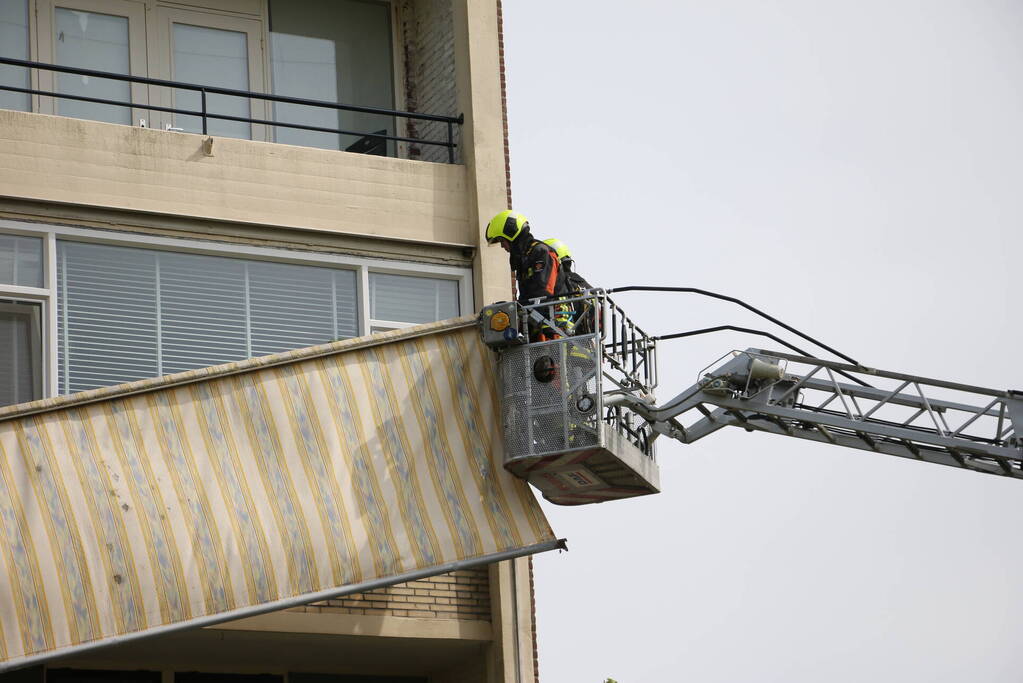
(295, 306)
(412, 299)
(21, 261)
(202, 311)
(20, 352)
(126, 313)
(106, 315)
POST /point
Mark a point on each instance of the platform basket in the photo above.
(555, 427)
(551, 397)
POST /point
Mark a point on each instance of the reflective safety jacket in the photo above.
(539, 273)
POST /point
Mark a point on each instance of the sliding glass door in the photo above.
(105, 35)
(14, 44)
(212, 50)
(337, 51)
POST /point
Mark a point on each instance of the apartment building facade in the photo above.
(178, 220)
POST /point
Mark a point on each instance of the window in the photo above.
(105, 35)
(100, 676)
(216, 50)
(216, 57)
(91, 40)
(200, 677)
(14, 45)
(399, 300)
(21, 376)
(21, 278)
(302, 677)
(21, 261)
(338, 51)
(126, 313)
(81, 310)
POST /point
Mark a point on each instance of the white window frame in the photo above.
(381, 325)
(45, 296)
(363, 266)
(35, 338)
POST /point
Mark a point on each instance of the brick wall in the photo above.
(464, 594)
(504, 102)
(428, 41)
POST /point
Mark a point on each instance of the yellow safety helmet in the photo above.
(507, 225)
(560, 247)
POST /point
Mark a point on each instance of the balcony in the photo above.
(354, 96)
(366, 76)
(214, 106)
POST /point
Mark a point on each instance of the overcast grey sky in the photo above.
(854, 168)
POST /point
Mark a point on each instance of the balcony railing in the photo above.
(204, 113)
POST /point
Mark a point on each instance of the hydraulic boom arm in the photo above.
(913, 417)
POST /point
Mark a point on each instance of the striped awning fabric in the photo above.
(243, 488)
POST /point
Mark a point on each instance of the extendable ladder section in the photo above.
(914, 417)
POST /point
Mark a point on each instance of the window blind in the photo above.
(126, 313)
(412, 299)
(292, 306)
(202, 311)
(106, 315)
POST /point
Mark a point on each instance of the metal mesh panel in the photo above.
(551, 397)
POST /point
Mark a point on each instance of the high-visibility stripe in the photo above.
(225, 492)
(552, 279)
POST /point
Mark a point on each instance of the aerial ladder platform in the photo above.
(580, 417)
(220, 493)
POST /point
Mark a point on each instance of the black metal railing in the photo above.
(205, 114)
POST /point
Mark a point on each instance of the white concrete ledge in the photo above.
(362, 625)
(59, 159)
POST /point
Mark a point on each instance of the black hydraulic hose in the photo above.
(747, 330)
(732, 299)
(721, 328)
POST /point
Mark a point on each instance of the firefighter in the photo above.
(581, 362)
(576, 284)
(536, 266)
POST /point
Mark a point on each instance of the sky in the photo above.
(854, 169)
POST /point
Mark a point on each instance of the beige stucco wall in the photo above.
(57, 159)
(478, 69)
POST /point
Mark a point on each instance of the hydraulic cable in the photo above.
(732, 299)
(721, 328)
(747, 330)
